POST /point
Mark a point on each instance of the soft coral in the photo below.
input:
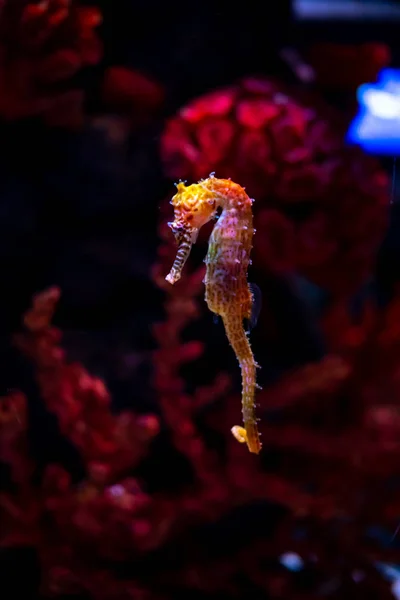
(42, 46)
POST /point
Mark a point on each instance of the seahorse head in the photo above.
(194, 206)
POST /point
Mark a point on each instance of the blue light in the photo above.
(376, 128)
(292, 561)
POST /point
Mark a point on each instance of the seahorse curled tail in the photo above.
(237, 337)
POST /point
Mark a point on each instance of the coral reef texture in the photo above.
(43, 45)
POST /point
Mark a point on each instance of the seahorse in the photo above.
(227, 291)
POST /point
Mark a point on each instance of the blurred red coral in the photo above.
(42, 45)
(330, 456)
(346, 66)
(320, 207)
(108, 443)
(109, 503)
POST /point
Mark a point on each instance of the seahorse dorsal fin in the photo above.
(256, 304)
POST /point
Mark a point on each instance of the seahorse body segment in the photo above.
(227, 291)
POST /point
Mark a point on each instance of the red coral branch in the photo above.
(109, 443)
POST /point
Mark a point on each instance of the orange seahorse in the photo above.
(228, 293)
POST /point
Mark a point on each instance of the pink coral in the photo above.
(320, 207)
(43, 44)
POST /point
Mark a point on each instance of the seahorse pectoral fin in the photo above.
(216, 319)
(256, 305)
